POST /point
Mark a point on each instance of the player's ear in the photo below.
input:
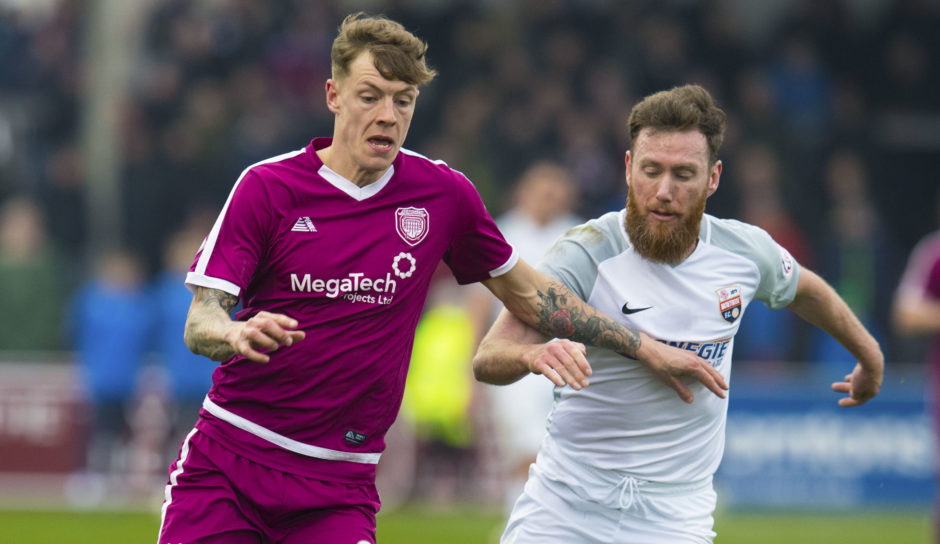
(713, 177)
(332, 94)
(626, 163)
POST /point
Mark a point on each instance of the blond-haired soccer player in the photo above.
(330, 249)
(624, 460)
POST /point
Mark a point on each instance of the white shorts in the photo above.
(549, 512)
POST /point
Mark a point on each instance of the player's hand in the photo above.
(266, 331)
(861, 385)
(672, 365)
(561, 361)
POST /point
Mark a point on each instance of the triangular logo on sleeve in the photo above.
(303, 224)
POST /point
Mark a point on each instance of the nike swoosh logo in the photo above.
(629, 311)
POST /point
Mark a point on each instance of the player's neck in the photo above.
(348, 168)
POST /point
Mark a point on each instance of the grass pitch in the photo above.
(413, 525)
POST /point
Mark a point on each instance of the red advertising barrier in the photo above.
(42, 418)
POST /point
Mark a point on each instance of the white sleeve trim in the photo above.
(507, 266)
(288, 443)
(209, 244)
(194, 280)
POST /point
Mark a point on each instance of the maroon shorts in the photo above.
(214, 495)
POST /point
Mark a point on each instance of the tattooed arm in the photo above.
(211, 332)
(542, 308)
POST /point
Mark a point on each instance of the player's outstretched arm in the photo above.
(549, 307)
(211, 332)
(818, 303)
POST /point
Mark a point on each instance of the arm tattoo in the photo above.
(205, 325)
(226, 301)
(564, 315)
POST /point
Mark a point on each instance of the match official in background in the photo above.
(625, 460)
(331, 249)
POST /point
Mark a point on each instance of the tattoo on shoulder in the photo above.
(561, 317)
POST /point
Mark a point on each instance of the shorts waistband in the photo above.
(289, 444)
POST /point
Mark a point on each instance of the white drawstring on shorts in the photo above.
(629, 490)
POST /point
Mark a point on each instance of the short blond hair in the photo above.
(397, 53)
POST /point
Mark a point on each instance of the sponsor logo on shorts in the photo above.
(354, 437)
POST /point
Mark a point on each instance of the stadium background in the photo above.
(126, 122)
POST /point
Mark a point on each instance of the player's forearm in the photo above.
(562, 314)
(915, 316)
(819, 304)
(499, 361)
(208, 322)
(546, 305)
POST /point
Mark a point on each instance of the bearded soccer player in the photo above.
(330, 249)
(624, 460)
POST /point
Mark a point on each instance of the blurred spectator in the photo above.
(665, 56)
(904, 51)
(855, 256)
(755, 98)
(189, 376)
(765, 335)
(32, 280)
(109, 325)
(802, 90)
(544, 197)
(64, 197)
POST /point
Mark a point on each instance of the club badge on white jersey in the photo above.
(729, 302)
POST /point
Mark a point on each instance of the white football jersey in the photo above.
(626, 421)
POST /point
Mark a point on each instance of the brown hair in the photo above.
(689, 107)
(397, 53)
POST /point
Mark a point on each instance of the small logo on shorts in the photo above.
(354, 438)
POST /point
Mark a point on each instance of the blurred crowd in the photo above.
(832, 145)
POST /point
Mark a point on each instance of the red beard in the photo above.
(665, 243)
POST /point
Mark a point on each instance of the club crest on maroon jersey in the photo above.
(411, 224)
